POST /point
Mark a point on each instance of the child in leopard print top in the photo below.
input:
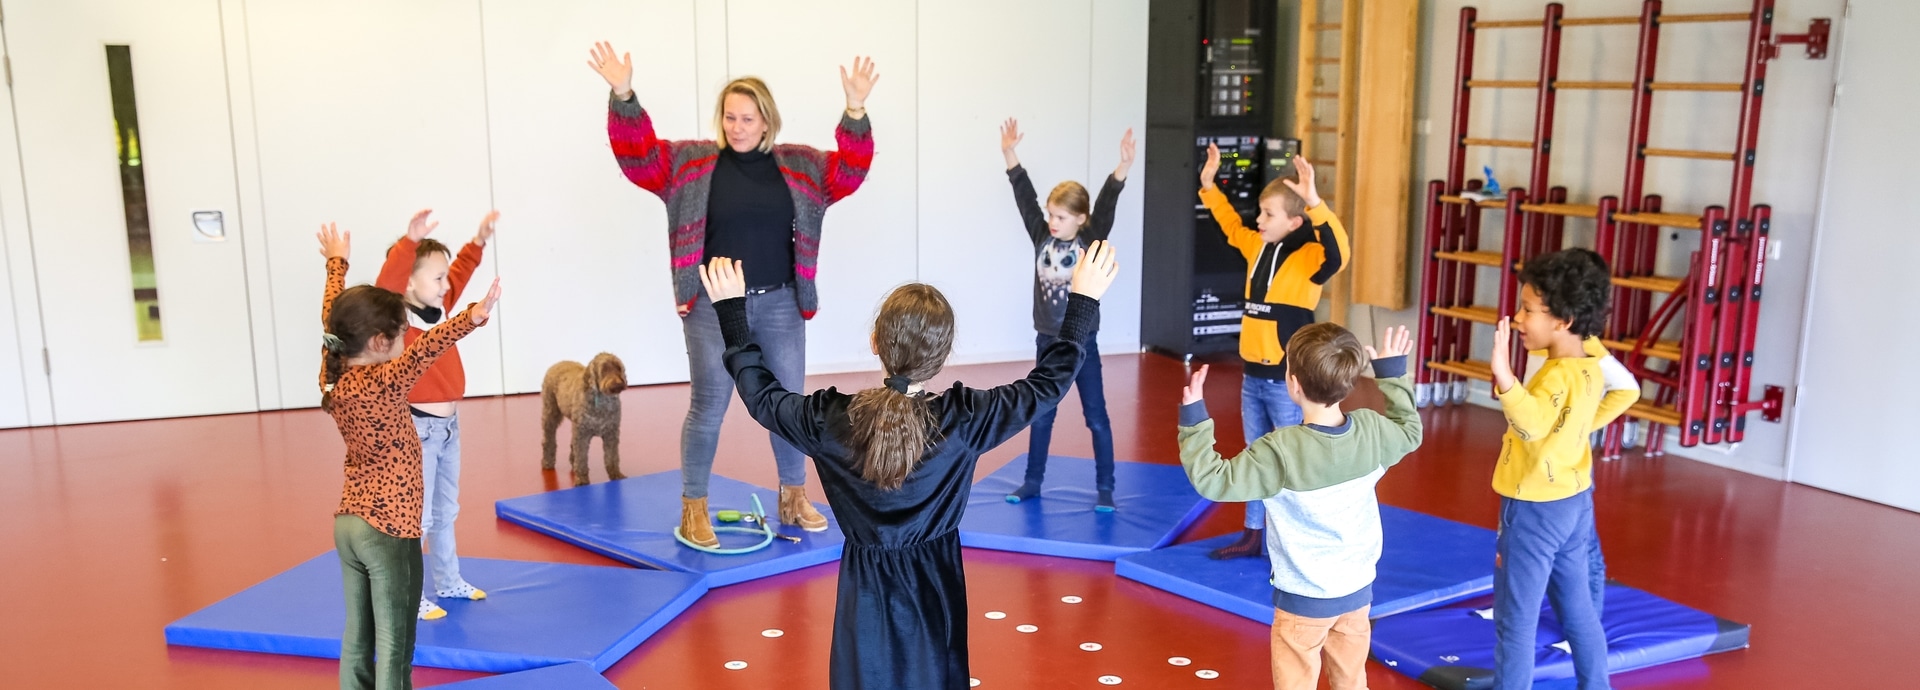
(376, 530)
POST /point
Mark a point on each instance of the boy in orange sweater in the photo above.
(430, 278)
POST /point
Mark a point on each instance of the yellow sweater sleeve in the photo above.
(1532, 414)
(1238, 234)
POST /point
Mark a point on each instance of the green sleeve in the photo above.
(1404, 430)
(1250, 476)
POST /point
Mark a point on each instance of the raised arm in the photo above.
(467, 262)
(1100, 225)
(844, 169)
(334, 245)
(406, 369)
(1025, 199)
(1327, 229)
(1390, 371)
(1254, 474)
(646, 159)
(792, 416)
(1238, 234)
(398, 266)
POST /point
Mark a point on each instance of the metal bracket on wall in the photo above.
(1818, 31)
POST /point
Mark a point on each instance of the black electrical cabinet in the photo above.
(1211, 78)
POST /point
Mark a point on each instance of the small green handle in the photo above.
(729, 516)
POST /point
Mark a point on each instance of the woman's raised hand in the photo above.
(858, 83)
(617, 70)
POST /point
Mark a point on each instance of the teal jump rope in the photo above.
(764, 531)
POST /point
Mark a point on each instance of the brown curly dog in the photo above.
(588, 396)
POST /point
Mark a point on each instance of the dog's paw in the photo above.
(581, 481)
(615, 476)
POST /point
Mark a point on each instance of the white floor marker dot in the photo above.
(736, 665)
(995, 615)
(973, 682)
(1180, 661)
(1109, 680)
(1207, 674)
(1028, 628)
(1090, 646)
(1071, 599)
(772, 632)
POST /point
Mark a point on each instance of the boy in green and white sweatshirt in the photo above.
(1317, 482)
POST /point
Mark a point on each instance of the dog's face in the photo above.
(606, 374)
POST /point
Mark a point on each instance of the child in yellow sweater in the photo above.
(1545, 473)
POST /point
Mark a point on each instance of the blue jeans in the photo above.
(440, 474)
(1264, 407)
(782, 336)
(1093, 404)
(1544, 551)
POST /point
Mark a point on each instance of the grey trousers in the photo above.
(782, 335)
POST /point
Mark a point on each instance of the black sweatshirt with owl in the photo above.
(1053, 258)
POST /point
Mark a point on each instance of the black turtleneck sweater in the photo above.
(750, 216)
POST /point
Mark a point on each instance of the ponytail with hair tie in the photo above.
(899, 384)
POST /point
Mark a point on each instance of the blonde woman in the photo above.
(748, 198)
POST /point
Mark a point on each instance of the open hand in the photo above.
(1306, 188)
(1010, 135)
(486, 228)
(859, 83)
(1095, 271)
(418, 228)
(724, 279)
(1212, 168)
(1196, 389)
(617, 72)
(1502, 357)
(334, 244)
(1397, 343)
(486, 306)
(1126, 156)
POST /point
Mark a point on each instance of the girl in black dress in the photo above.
(897, 463)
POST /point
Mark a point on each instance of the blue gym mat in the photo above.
(632, 521)
(1154, 504)
(561, 677)
(535, 615)
(1424, 561)
(1452, 647)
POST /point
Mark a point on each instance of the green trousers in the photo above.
(382, 578)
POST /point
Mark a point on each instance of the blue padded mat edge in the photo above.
(632, 521)
(1425, 561)
(1452, 647)
(537, 614)
(1154, 502)
(574, 676)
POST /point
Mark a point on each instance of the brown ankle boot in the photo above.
(797, 511)
(694, 523)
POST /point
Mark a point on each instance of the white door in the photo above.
(1855, 408)
(126, 148)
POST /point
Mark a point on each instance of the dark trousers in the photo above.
(1093, 405)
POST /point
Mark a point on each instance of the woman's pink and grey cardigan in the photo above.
(679, 172)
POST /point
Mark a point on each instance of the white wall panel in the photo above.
(584, 252)
(976, 70)
(367, 111)
(1119, 101)
(868, 245)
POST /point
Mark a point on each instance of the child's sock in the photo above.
(1027, 490)
(1252, 543)
(461, 591)
(430, 611)
(1104, 504)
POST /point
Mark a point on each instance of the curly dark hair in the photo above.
(1575, 285)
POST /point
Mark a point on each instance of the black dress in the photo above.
(901, 617)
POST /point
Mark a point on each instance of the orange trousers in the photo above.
(1300, 642)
